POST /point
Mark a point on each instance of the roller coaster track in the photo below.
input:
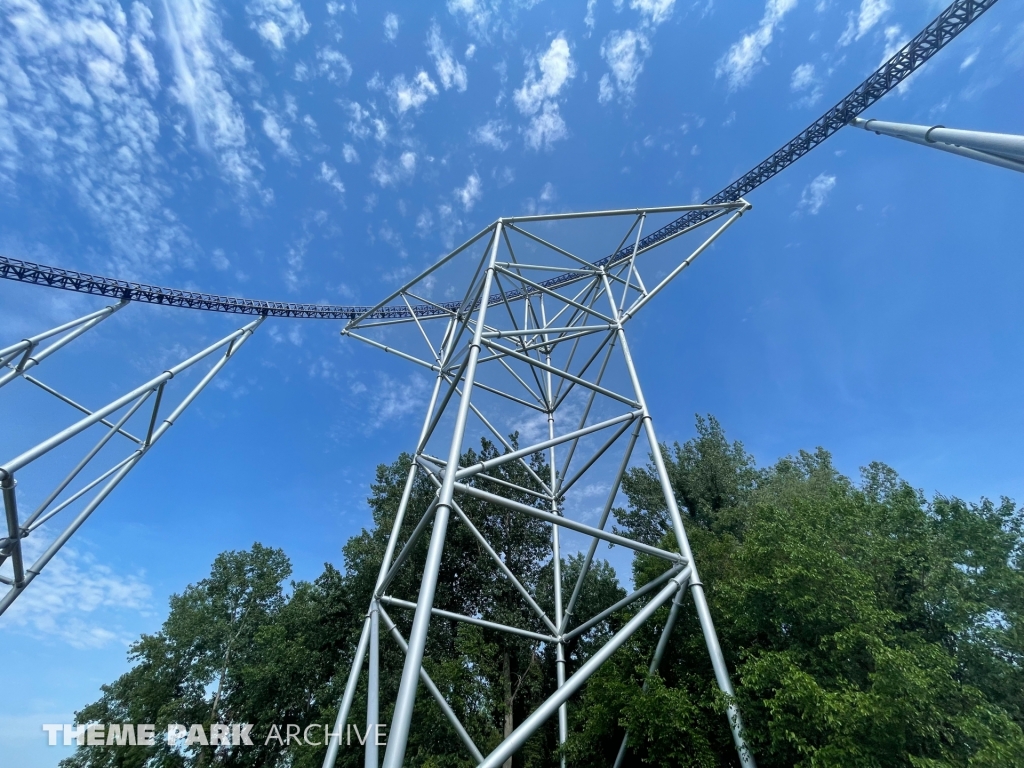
(941, 31)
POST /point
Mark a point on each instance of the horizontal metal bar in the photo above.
(483, 466)
(565, 522)
(73, 404)
(542, 331)
(647, 588)
(617, 212)
(472, 620)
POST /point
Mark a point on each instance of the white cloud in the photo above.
(76, 81)
(803, 76)
(392, 400)
(202, 60)
(625, 53)
(816, 193)
(329, 176)
(278, 134)
(100, 595)
(363, 123)
(537, 95)
(449, 70)
(744, 56)
(406, 95)
(547, 193)
(348, 152)
(589, 19)
(654, 12)
(490, 134)
(969, 59)
(388, 173)
(556, 69)
(546, 128)
(391, 26)
(277, 21)
(871, 12)
(605, 89)
(469, 194)
(333, 64)
(477, 12)
(805, 80)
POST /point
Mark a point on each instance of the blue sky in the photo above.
(311, 151)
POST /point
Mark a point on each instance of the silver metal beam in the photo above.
(1003, 149)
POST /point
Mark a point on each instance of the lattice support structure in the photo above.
(112, 420)
(517, 349)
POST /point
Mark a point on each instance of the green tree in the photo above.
(864, 624)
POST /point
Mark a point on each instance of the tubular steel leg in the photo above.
(373, 689)
(696, 586)
(402, 719)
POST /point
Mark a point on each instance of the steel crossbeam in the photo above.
(112, 417)
(565, 348)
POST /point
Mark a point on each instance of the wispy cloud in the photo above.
(815, 194)
(545, 79)
(871, 12)
(654, 12)
(78, 600)
(805, 80)
(470, 193)
(329, 176)
(625, 53)
(411, 94)
(744, 56)
(202, 59)
(389, 172)
(391, 26)
(451, 73)
(279, 135)
(277, 21)
(66, 71)
(490, 134)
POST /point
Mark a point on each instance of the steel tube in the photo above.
(565, 522)
(394, 757)
(659, 653)
(13, 529)
(32, 341)
(619, 212)
(484, 466)
(47, 445)
(438, 696)
(77, 406)
(388, 600)
(1007, 145)
(635, 595)
(529, 726)
(605, 512)
(373, 689)
(350, 693)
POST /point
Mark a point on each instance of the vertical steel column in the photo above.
(7, 483)
(373, 688)
(402, 719)
(334, 742)
(556, 552)
(696, 586)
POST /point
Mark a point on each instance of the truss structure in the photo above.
(518, 350)
(147, 403)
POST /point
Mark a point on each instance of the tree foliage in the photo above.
(863, 625)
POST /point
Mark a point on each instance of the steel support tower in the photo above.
(107, 423)
(517, 350)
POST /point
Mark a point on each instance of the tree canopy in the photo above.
(863, 624)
